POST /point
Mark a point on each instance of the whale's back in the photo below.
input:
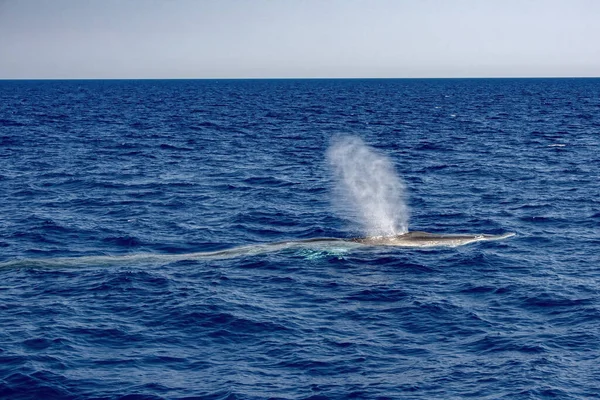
(426, 239)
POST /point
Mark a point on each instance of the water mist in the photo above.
(368, 181)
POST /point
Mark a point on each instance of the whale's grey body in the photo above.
(425, 239)
(410, 239)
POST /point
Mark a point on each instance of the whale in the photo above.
(426, 239)
(414, 239)
(408, 239)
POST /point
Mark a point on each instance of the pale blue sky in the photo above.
(298, 38)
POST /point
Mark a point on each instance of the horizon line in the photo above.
(297, 78)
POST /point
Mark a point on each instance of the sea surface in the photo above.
(153, 168)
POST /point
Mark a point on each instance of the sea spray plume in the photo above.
(370, 183)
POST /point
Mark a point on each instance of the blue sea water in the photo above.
(92, 168)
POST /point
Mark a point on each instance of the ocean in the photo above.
(113, 193)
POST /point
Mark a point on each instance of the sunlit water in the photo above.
(148, 171)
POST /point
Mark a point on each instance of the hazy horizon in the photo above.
(229, 39)
(301, 78)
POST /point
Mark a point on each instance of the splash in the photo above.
(369, 182)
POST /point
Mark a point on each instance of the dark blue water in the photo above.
(93, 168)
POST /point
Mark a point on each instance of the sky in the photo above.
(78, 39)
